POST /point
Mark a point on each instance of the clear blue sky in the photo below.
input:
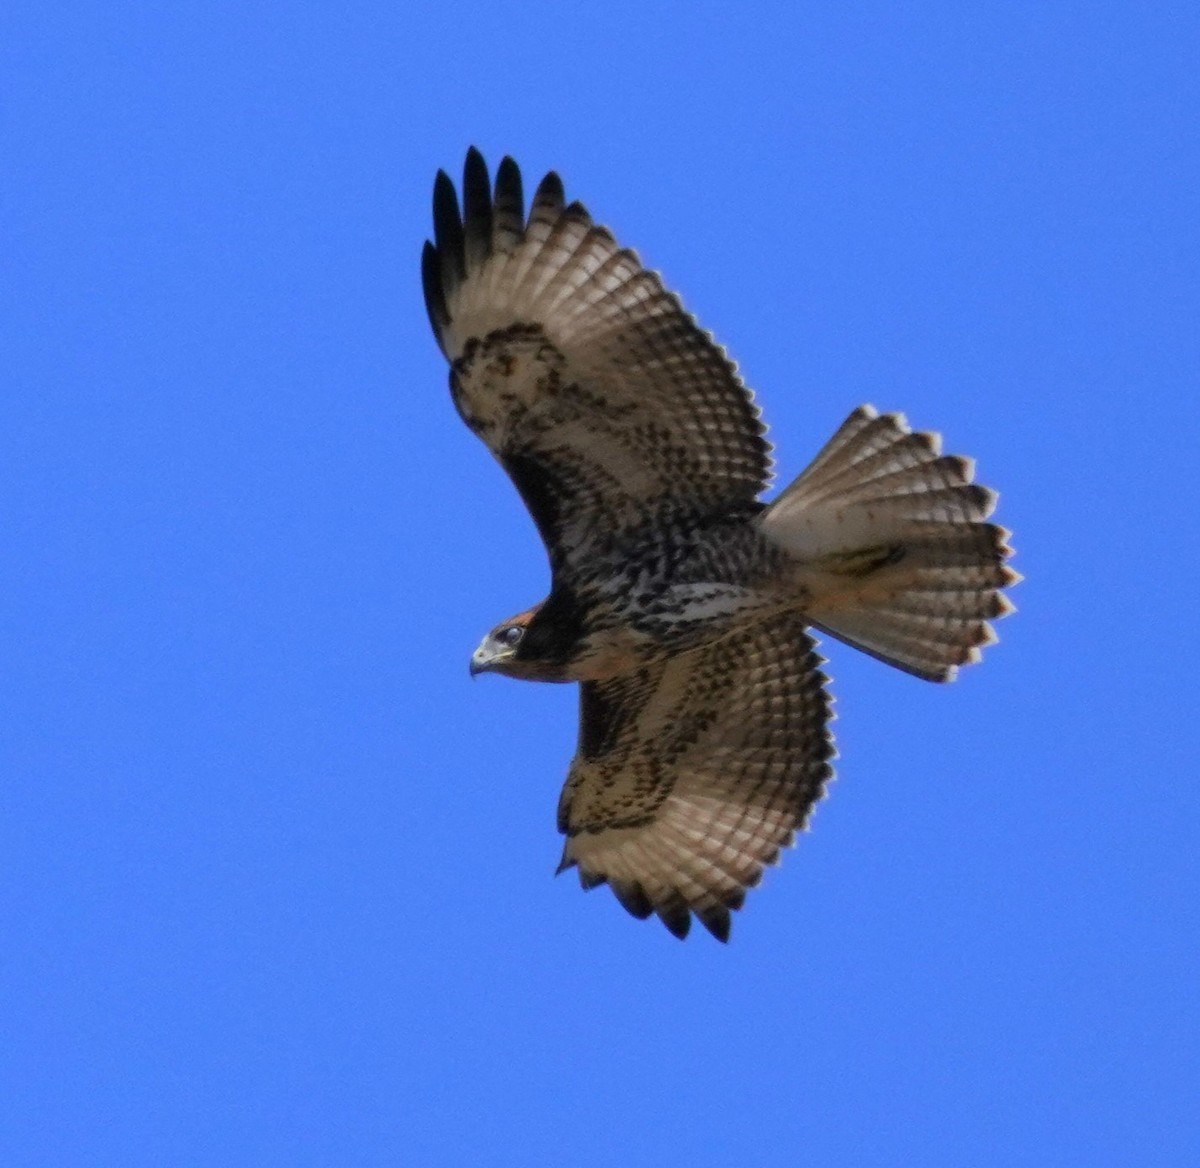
(276, 877)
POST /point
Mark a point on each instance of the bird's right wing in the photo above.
(604, 401)
(692, 773)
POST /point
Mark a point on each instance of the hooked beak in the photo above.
(487, 657)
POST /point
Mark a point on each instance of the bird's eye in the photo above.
(512, 634)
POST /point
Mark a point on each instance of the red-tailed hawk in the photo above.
(679, 600)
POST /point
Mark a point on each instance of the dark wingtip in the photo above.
(548, 200)
(448, 232)
(590, 880)
(510, 204)
(677, 926)
(550, 191)
(435, 297)
(717, 921)
(632, 898)
(477, 209)
(508, 180)
(673, 913)
(579, 213)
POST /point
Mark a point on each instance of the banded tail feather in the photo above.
(892, 542)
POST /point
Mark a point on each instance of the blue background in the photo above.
(277, 878)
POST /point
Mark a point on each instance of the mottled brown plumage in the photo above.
(678, 599)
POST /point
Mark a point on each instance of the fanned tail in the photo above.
(891, 544)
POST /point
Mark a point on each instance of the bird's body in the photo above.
(679, 599)
(656, 591)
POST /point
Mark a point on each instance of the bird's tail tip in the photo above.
(893, 548)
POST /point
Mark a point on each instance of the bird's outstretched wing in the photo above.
(598, 393)
(693, 772)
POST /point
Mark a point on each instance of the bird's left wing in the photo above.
(597, 392)
(692, 773)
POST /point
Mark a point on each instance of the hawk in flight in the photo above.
(680, 601)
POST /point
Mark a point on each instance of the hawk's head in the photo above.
(498, 651)
(551, 642)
